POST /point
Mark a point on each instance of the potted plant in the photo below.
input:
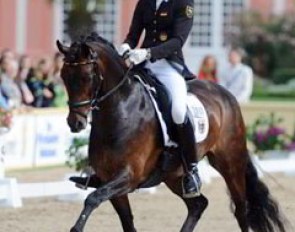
(291, 146)
(268, 137)
(77, 153)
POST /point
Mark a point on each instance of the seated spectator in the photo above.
(24, 71)
(3, 100)
(208, 69)
(238, 78)
(41, 85)
(6, 54)
(59, 88)
(8, 86)
(57, 66)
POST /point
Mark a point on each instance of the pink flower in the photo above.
(275, 131)
(291, 146)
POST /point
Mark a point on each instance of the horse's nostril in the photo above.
(79, 124)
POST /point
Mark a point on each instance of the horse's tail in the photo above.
(263, 212)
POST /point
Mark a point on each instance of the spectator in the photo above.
(3, 100)
(59, 88)
(238, 79)
(208, 69)
(6, 54)
(25, 70)
(57, 66)
(8, 85)
(41, 85)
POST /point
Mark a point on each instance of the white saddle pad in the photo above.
(197, 110)
(200, 117)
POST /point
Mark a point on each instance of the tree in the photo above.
(79, 17)
(269, 43)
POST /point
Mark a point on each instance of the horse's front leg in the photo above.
(122, 207)
(117, 187)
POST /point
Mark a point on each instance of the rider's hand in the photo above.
(137, 56)
(124, 49)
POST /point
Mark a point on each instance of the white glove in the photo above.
(123, 49)
(137, 56)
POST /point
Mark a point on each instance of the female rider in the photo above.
(167, 24)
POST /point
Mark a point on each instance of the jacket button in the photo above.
(155, 21)
(154, 40)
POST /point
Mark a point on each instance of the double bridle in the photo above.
(96, 99)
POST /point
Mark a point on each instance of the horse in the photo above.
(126, 143)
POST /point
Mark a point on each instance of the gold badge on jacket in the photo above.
(163, 36)
(164, 14)
(189, 11)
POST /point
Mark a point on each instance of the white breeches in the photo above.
(175, 83)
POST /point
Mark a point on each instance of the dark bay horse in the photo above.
(126, 145)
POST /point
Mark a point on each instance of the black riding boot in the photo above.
(191, 183)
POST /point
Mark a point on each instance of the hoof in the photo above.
(75, 230)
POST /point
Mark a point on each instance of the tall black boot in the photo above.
(191, 183)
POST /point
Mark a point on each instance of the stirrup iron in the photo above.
(86, 172)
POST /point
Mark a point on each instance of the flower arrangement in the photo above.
(267, 134)
(5, 118)
(291, 146)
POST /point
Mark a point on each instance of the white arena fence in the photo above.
(40, 138)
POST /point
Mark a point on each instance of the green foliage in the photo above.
(270, 44)
(284, 75)
(266, 90)
(77, 154)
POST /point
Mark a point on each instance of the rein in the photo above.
(94, 102)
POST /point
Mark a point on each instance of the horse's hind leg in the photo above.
(122, 207)
(233, 167)
(195, 206)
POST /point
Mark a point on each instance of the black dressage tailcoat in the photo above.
(166, 29)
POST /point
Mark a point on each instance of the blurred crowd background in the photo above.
(24, 83)
(250, 50)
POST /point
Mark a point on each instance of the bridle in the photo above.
(96, 99)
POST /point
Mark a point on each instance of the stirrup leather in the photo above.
(86, 173)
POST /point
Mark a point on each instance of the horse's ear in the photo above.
(92, 49)
(63, 49)
(91, 45)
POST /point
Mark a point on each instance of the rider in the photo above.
(167, 24)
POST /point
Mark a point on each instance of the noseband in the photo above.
(96, 100)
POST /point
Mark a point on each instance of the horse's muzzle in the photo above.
(77, 124)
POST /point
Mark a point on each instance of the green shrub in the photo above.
(283, 76)
(265, 90)
(270, 44)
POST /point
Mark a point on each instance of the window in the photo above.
(106, 18)
(231, 10)
(201, 35)
(103, 18)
